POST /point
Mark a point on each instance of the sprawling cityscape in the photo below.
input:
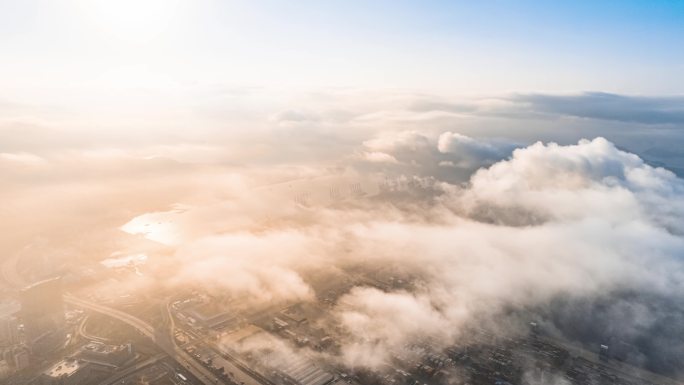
(62, 330)
(341, 192)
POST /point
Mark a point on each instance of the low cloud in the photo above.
(475, 225)
(580, 221)
(602, 106)
(379, 157)
(471, 153)
(448, 156)
(606, 106)
(548, 221)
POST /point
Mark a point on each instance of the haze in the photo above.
(317, 193)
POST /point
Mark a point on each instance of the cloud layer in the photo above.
(453, 199)
(548, 221)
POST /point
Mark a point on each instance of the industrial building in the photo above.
(298, 370)
(107, 355)
(210, 316)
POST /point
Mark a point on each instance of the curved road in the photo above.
(8, 271)
(84, 333)
(9, 274)
(163, 341)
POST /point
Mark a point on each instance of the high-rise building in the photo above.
(9, 324)
(20, 357)
(9, 331)
(42, 311)
(16, 357)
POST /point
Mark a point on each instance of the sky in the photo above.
(132, 72)
(453, 47)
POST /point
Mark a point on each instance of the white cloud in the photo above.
(24, 158)
(379, 157)
(590, 179)
(468, 152)
(531, 224)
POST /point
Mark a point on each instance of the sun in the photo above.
(132, 20)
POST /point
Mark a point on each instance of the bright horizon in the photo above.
(458, 47)
(341, 192)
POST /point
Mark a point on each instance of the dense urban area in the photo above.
(57, 331)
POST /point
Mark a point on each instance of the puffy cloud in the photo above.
(246, 265)
(593, 224)
(448, 156)
(259, 215)
(578, 220)
(379, 157)
(467, 152)
(582, 220)
(381, 322)
(590, 179)
(400, 142)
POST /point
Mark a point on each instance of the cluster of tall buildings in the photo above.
(13, 354)
(9, 330)
(42, 311)
(35, 328)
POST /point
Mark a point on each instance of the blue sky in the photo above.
(455, 47)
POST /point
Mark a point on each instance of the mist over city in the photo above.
(330, 193)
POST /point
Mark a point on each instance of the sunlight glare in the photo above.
(133, 20)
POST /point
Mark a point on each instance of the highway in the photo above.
(249, 377)
(165, 342)
(239, 374)
(132, 369)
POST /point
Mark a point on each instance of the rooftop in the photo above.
(98, 347)
(64, 368)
